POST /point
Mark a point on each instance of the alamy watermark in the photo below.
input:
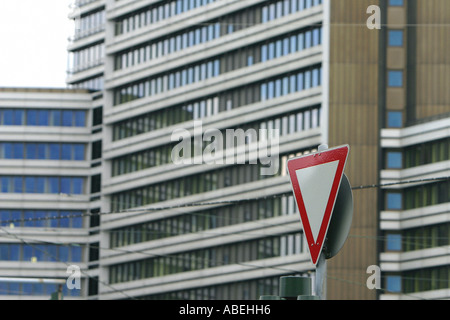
(230, 146)
(374, 280)
(374, 21)
(74, 279)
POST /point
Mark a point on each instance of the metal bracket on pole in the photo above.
(320, 285)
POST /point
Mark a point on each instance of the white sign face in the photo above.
(315, 185)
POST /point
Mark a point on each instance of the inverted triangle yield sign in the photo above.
(315, 180)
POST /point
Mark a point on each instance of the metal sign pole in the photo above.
(321, 266)
(320, 285)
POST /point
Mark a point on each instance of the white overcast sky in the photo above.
(33, 42)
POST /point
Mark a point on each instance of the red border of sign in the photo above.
(311, 160)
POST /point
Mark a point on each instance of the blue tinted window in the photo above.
(300, 81)
(395, 78)
(8, 150)
(53, 185)
(393, 283)
(78, 152)
(55, 118)
(51, 253)
(18, 150)
(31, 150)
(263, 91)
(307, 39)
(396, 3)
(76, 254)
(27, 252)
(77, 185)
(315, 78)
(18, 117)
(77, 220)
(4, 217)
(18, 184)
(66, 152)
(394, 160)
(29, 184)
(65, 185)
(54, 221)
(40, 219)
(316, 37)
(7, 117)
(28, 216)
(41, 151)
(394, 242)
(64, 253)
(64, 222)
(27, 289)
(5, 184)
(395, 119)
(67, 117)
(80, 118)
(32, 117)
(4, 252)
(396, 38)
(54, 151)
(307, 79)
(14, 252)
(40, 185)
(43, 118)
(394, 201)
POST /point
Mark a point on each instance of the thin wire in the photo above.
(213, 203)
(224, 264)
(66, 263)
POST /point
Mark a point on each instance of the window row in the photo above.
(239, 20)
(90, 24)
(94, 84)
(41, 218)
(280, 8)
(36, 184)
(42, 117)
(425, 153)
(168, 81)
(42, 151)
(235, 253)
(169, 116)
(236, 290)
(292, 43)
(40, 252)
(204, 220)
(419, 238)
(423, 279)
(86, 58)
(296, 121)
(303, 80)
(418, 155)
(35, 289)
(418, 196)
(221, 102)
(159, 48)
(155, 13)
(195, 184)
